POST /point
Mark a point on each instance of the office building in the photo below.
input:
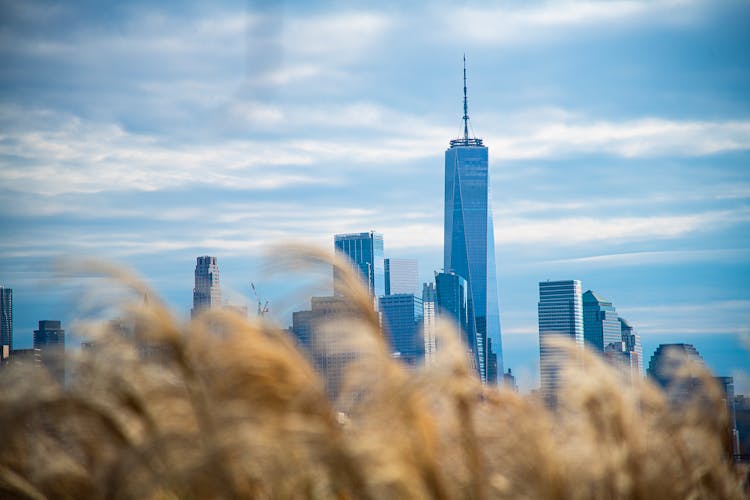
(207, 292)
(727, 388)
(49, 339)
(469, 246)
(323, 333)
(402, 322)
(452, 302)
(632, 346)
(669, 368)
(509, 381)
(401, 276)
(6, 318)
(601, 326)
(429, 322)
(365, 252)
(560, 312)
(742, 419)
(665, 363)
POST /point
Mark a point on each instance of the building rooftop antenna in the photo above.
(465, 141)
(466, 106)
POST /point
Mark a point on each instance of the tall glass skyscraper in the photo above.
(365, 251)
(49, 339)
(633, 345)
(401, 276)
(429, 318)
(402, 320)
(560, 314)
(600, 324)
(6, 318)
(469, 242)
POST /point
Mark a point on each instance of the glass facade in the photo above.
(402, 322)
(365, 251)
(6, 318)
(633, 345)
(469, 244)
(401, 276)
(560, 314)
(429, 316)
(452, 301)
(469, 247)
(49, 339)
(601, 326)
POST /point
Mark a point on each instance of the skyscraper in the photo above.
(429, 316)
(560, 314)
(469, 242)
(365, 251)
(664, 365)
(600, 324)
(6, 318)
(402, 322)
(49, 339)
(452, 301)
(633, 346)
(401, 276)
(207, 293)
(324, 333)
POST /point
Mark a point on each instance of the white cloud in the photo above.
(565, 231)
(539, 22)
(646, 137)
(656, 257)
(90, 156)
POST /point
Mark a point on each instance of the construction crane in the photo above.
(262, 306)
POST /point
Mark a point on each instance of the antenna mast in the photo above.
(466, 106)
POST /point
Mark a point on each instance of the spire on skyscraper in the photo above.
(466, 106)
(465, 141)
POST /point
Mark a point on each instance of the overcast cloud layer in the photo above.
(619, 139)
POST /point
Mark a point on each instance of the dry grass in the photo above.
(228, 408)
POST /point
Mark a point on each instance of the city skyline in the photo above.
(619, 137)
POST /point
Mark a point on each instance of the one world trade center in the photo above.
(469, 245)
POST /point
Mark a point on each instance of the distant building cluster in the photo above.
(586, 319)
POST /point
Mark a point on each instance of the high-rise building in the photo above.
(6, 318)
(560, 314)
(322, 332)
(600, 324)
(401, 276)
(510, 380)
(402, 322)
(633, 347)
(742, 417)
(365, 251)
(469, 242)
(452, 301)
(429, 317)
(727, 388)
(667, 368)
(665, 363)
(207, 292)
(49, 339)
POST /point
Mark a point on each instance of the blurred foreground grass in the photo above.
(223, 407)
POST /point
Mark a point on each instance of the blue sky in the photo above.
(619, 139)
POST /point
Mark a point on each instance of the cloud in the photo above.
(541, 21)
(656, 257)
(569, 231)
(45, 146)
(648, 137)
(700, 307)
